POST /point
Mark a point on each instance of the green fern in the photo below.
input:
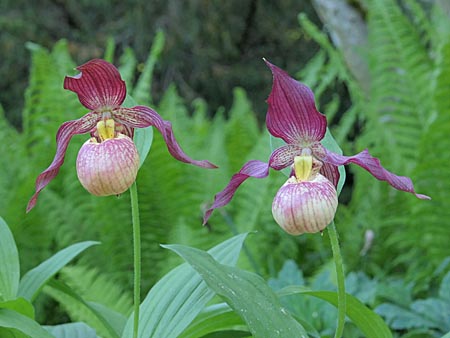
(92, 287)
(428, 221)
(401, 75)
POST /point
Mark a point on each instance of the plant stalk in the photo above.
(137, 256)
(340, 277)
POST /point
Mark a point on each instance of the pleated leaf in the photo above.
(33, 281)
(14, 320)
(365, 319)
(247, 293)
(218, 317)
(9, 267)
(179, 296)
(71, 330)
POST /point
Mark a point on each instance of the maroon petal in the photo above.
(292, 113)
(65, 133)
(141, 117)
(331, 172)
(373, 166)
(98, 85)
(253, 168)
(284, 156)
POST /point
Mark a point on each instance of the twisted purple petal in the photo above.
(253, 168)
(292, 113)
(65, 132)
(373, 166)
(98, 85)
(141, 117)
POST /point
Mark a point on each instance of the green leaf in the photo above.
(218, 317)
(71, 330)
(116, 320)
(444, 290)
(111, 321)
(365, 319)
(14, 320)
(330, 143)
(247, 293)
(19, 305)
(33, 281)
(9, 267)
(143, 137)
(179, 296)
(447, 335)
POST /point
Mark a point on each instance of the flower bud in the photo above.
(307, 202)
(109, 167)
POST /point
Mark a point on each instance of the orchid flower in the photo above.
(293, 117)
(108, 162)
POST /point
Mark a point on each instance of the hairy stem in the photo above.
(332, 233)
(137, 256)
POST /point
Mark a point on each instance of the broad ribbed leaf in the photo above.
(9, 266)
(247, 293)
(19, 305)
(179, 296)
(218, 317)
(14, 320)
(365, 319)
(71, 330)
(33, 281)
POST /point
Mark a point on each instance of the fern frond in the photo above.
(127, 66)
(428, 226)
(400, 96)
(141, 92)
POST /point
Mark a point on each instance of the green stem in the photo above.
(137, 256)
(340, 279)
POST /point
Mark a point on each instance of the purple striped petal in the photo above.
(284, 156)
(373, 166)
(253, 168)
(98, 85)
(331, 172)
(292, 113)
(81, 126)
(141, 117)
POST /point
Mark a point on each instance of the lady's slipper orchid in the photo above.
(110, 166)
(293, 117)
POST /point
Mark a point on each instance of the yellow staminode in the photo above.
(303, 167)
(106, 129)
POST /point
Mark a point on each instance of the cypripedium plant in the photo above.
(108, 162)
(307, 201)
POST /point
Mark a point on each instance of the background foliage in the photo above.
(404, 119)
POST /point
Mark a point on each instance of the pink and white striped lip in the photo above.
(109, 167)
(305, 206)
